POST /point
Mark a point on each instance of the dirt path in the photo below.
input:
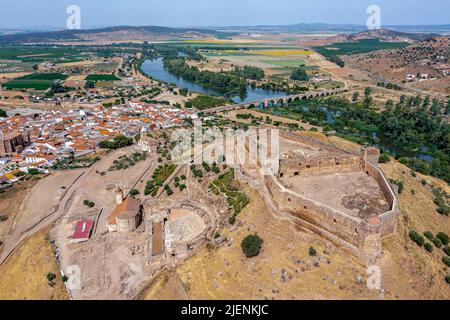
(18, 235)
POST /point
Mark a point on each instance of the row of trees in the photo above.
(223, 82)
(248, 72)
(411, 124)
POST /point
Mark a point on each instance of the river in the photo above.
(155, 69)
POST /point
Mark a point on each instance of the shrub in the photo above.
(444, 210)
(400, 184)
(232, 219)
(3, 217)
(437, 242)
(447, 250)
(384, 158)
(312, 252)
(91, 204)
(134, 192)
(447, 279)
(428, 247)
(416, 237)
(443, 237)
(428, 235)
(51, 276)
(251, 245)
(446, 260)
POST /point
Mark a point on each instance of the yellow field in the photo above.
(283, 52)
(287, 52)
(223, 41)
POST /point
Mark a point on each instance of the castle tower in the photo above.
(119, 195)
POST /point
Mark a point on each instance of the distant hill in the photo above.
(120, 33)
(431, 56)
(385, 35)
(320, 28)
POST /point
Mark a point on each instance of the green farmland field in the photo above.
(101, 77)
(44, 76)
(362, 46)
(36, 81)
(38, 54)
(285, 63)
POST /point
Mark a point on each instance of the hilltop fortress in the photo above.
(336, 192)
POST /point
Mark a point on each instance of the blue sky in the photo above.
(25, 13)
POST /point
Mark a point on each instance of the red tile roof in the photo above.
(83, 229)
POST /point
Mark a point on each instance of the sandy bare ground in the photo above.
(13, 75)
(39, 209)
(113, 265)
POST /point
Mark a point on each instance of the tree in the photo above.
(367, 98)
(443, 237)
(89, 84)
(416, 237)
(3, 113)
(355, 96)
(446, 260)
(51, 276)
(118, 142)
(299, 74)
(312, 252)
(33, 171)
(251, 245)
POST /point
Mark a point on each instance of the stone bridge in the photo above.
(266, 103)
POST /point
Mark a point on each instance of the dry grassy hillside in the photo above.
(24, 275)
(284, 269)
(423, 57)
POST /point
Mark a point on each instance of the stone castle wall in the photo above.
(300, 166)
(351, 233)
(361, 237)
